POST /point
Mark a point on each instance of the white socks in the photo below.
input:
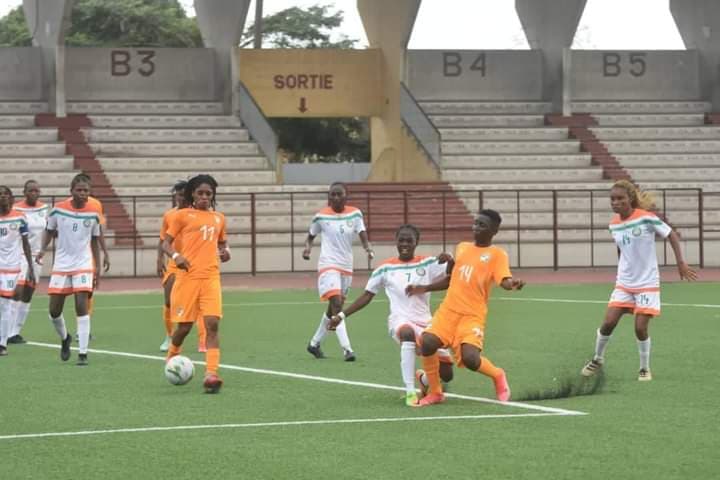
(7, 319)
(407, 365)
(59, 324)
(21, 313)
(342, 335)
(321, 331)
(600, 345)
(644, 351)
(83, 326)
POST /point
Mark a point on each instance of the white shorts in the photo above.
(646, 302)
(332, 283)
(444, 353)
(8, 282)
(37, 270)
(71, 282)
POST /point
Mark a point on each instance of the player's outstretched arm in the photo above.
(510, 283)
(308, 246)
(361, 302)
(686, 273)
(436, 286)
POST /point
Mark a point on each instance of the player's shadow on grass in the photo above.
(566, 386)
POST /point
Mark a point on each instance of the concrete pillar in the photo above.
(388, 26)
(699, 24)
(550, 26)
(221, 24)
(47, 21)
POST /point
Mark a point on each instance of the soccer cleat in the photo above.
(644, 375)
(165, 345)
(17, 339)
(431, 399)
(315, 351)
(3, 351)
(591, 368)
(349, 355)
(411, 399)
(423, 388)
(65, 348)
(212, 383)
(502, 389)
(82, 360)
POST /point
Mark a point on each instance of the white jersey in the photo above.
(75, 229)
(394, 275)
(13, 227)
(37, 221)
(635, 237)
(338, 231)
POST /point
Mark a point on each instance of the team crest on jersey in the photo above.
(485, 257)
(179, 312)
(636, 231)
(349, 222)
(420, 271)
(14, 226)
(87, 222)
(217, 219)
(478, 332)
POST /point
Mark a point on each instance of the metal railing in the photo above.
(420, 126)
(257, 124)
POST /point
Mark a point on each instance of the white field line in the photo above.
(270, 424)
(262, 371)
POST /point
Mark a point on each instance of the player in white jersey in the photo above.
(338, 223)
(36, 213)
(75, 225)
(13, 246)
(637, 288)
(409, 315)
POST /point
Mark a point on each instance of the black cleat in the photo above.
(65, 348)
(315, 351)
(82, 360)
(17, 339)
(3, 351)
(349, 356)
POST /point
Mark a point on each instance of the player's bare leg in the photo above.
(56, 304)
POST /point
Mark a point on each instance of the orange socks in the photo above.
(173, 350)
(431, 365)
(212, 361)
(488, 369)
(167, 320)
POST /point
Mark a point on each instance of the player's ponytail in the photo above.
(638, 198)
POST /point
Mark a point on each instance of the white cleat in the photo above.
(592, 367)
(644, 375)
(165, 345)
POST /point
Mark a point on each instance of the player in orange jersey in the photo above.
(459, 322)
(167, 269)
(197, 293)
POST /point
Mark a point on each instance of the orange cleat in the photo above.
(212, 383)
(502, 389)
(431, 399)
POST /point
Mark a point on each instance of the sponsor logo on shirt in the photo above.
(485, 257)
(637, 231)
(87, 223)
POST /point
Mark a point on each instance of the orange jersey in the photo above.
(171, 267)
(472, 276)
(199, 232)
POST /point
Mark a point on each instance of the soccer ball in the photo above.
(179, 370)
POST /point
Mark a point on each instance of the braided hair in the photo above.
(195, 182)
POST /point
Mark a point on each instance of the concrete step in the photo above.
(703, 132)
(146, 108)
(235, 223)
(450, 121)
(484, 108)
(662, 146)
(185, 135)
(209, 164)
(659, 174)
(34, 135)
(495, 148)
(165, 121)
(639, 120)
(30, 165)
(627, 107)
(32, 150)
(174, 149)
(165, 180)
(23, 108)
(17, 121)
(669, 160)
(515, 161)
(524, 175)
(47, 181)
(503, 133)
(277, 206)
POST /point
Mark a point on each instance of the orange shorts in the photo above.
(170, 269)
(453, 329)
(192, 299)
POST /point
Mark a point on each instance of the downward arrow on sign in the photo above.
(302, 107)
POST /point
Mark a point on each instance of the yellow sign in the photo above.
(314, 82)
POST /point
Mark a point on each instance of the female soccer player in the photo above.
(338, 224)
(409, 315)
(637, 287)
(36, 213)
(460, 320)
(167, 269)
(200, 233)
(13, 245)
(75, 224)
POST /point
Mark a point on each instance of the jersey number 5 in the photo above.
(207, 232)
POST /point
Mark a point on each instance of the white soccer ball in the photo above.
(179, 370)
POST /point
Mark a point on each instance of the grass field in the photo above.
(268, 424)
